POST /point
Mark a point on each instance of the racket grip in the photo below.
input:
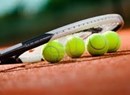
(16, 50)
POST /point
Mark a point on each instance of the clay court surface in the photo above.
(102, 75)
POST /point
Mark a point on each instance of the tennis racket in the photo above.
(28, 51)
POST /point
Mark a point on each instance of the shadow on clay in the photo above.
(65, 61)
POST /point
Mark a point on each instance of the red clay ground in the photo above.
(104, 75)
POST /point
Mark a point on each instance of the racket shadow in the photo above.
(67, 60)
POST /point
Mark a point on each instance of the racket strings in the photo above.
(99, 28)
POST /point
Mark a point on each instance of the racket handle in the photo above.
(16, 50)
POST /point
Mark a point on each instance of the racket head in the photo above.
(83, 29)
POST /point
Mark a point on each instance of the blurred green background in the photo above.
(24, 19)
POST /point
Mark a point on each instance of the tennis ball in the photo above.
(53, 51)
(97, 44)
(75, 47)
(113, 41)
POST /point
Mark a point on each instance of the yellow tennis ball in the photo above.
(53, 51)
(75, 47)
(97, 44)
(113, 41)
